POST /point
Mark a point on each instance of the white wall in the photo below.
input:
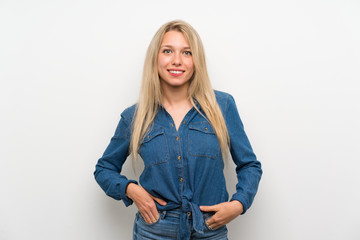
(68, 68)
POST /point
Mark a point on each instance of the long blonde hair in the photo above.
(200, 88)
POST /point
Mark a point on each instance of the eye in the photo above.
(187, 53)
(166, 51)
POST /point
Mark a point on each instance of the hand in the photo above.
(145, 202)
(224, 213)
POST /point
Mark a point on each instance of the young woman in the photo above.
(183, 130)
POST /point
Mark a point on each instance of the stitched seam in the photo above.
(167, 153)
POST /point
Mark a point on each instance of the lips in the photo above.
(176, 72)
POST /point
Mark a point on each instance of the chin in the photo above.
(176, 84)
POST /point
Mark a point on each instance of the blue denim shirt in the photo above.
(184, 167)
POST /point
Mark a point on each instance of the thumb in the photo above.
(212, 208)
(159, 201)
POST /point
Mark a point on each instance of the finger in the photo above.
(154, 214)
(212, 208)
(214, 226)
(211, 227)
(150, 215)
(159, 201)
(210, 221)
(147, 217)
(215, 221)
(155, 217)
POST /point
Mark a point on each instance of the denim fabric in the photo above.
(184, 167)
(167, 227)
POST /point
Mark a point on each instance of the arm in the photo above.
(248, 168)
(248, 171)
(117, 186)
(108, 168)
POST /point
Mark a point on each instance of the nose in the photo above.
(176, 60)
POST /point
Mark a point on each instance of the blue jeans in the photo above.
(167, 227)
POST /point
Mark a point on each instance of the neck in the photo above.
(175, 96)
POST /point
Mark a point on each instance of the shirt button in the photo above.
(179, 157)
(189, 213)
(181, 179)
(206, 128)
(172, 124)
(183, 122)
(177, 138)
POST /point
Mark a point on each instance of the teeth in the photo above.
(176, 72)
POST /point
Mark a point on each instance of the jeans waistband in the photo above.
(176, 212)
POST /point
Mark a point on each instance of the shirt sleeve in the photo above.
(108, 168)
(248, 168)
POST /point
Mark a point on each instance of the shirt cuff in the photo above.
(241, 199)
(127, 201)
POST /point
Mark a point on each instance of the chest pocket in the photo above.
(203, 141)
(154, 148)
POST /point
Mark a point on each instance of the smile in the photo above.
(176, 72)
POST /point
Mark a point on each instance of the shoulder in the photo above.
(128, 113)
(221, 95)
(223, 99)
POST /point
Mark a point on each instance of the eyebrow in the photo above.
(169, 46)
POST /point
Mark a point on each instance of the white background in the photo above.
(69, 68)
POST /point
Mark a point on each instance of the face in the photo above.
(175, 61)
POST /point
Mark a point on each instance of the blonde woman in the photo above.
(183, 130)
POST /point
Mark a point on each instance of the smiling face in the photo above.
(175, 61)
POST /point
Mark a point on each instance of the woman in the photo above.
(182, 129)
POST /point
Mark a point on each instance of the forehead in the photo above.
(175, 39)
